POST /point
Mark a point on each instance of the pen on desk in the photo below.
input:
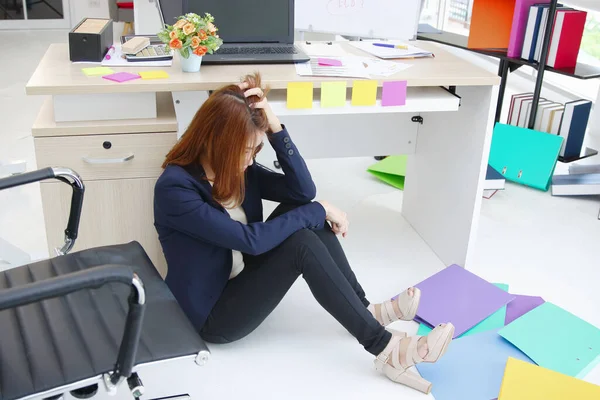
(111, 49)
(391, 46)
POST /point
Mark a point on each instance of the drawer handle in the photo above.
(108, 160)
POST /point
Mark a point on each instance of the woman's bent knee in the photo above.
(303, 237)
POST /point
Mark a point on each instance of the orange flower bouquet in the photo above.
(193, 36)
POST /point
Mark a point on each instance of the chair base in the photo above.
(175, 378)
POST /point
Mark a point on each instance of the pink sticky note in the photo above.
(394, 93)
(121, 77)
(330, 62)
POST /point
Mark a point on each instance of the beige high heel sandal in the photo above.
(407, 304)
(437, 342)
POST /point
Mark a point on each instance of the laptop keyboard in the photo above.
(257, 50)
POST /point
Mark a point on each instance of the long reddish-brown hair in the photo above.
(219, 134)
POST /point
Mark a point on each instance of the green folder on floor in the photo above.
(525, 156)
(391, 170)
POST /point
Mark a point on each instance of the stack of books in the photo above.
(565, 39)
(519, 26)
(568, 120)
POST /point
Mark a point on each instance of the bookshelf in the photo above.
(509, 64)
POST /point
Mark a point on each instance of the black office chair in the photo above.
(98, 323)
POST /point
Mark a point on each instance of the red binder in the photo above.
(566, 38)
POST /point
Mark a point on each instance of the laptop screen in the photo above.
(250, 21)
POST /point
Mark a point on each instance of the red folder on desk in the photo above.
(491, 23)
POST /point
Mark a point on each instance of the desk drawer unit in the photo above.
(114, 211)
(97, 157)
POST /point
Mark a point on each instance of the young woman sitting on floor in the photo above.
(228, 269)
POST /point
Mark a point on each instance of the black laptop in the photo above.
(253, 31)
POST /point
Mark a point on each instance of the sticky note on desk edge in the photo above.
(393, 93)
(121, 77)
(329, 62)
(154, 75)
(364, 93)
(333, 94)
(523, 380)
(97, 71)
(299, 95)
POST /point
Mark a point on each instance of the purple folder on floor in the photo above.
(521, 305)
(458, 296)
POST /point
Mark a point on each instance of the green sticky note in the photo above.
(494, 321)
(364, 93)
(97, 71)
(299, 95)
(333, 94)
(556, 339)
(391, 170)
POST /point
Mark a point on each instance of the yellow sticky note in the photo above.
(153, 74)
(333, 94)
(97, 71)
(525, 381)
(299, 95)
(364, 93)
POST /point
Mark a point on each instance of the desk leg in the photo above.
(443, 188)
(186, 105)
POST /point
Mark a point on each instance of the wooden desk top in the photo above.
(56, 74)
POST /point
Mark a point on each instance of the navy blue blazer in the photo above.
(197, 234)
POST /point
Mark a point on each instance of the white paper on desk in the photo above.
(117, 60)
(352, 67)
(323, 49)
(388, 53)
(378, 67)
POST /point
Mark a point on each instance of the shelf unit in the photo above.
(509, 64)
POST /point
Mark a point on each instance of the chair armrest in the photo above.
(91, 278)
(64, 175)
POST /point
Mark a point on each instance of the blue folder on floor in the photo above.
(524, 156)
(472, 368)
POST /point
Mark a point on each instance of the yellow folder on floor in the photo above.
(526, 381)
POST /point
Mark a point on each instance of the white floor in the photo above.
(538, 244)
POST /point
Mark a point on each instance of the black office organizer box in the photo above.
(90, 39)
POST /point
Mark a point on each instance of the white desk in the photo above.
(449, 149)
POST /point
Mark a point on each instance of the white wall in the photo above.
(81, 9)
(146, 17)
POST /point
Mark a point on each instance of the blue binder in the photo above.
(524, 156)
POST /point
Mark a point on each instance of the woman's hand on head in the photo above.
(274, 124)
(337, 218)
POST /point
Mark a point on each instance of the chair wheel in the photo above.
(86, 392)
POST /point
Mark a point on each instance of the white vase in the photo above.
(190, 64)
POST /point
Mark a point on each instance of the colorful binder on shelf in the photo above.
(519, 26)
(566, 38)
(573, 127)
(524, 156)
(491, 22)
